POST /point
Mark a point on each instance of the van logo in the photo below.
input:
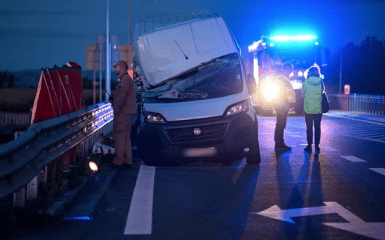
(197, 131)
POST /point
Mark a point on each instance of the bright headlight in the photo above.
(241, 107)
(270, 90)
(154, 118)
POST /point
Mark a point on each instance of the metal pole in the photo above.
(341, 55)
(128, 22)
(94, 87)
(341, 70)
(101, 71)
(108, 57)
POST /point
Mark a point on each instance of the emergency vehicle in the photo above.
(301, 51)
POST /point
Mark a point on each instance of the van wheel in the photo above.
(254, 156)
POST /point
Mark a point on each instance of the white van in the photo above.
(196, 104)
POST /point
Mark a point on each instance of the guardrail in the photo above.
(373, 104)
(22, 159)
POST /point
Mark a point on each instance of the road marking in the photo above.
(356, 119)
(353, 159)
(328, 149)
(240, 168)
(355, 225)
(379, 170)
(139, 219)
(373, 229)
(331, 207)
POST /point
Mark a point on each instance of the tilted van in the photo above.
(196, 101)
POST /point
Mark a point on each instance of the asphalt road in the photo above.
(337, 194)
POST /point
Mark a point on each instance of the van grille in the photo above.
(208, 132)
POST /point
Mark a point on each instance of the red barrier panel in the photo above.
(59, 92)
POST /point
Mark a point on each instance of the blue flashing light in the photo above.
(78, 218)
(294, 38)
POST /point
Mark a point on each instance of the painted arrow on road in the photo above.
(354, 225)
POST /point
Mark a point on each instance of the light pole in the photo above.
(141, 7)
(108, 57)
(340, 21)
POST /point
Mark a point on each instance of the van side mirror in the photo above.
(251, 84)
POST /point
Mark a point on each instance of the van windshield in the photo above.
(217, 78)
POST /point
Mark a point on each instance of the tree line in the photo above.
(7, 79)
(363, 67)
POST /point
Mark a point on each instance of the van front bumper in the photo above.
(195, 140)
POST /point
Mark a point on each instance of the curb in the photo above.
(58, 206)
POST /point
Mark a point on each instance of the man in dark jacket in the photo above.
(282, 109)
(124, 104)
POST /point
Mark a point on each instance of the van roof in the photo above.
(168, 51)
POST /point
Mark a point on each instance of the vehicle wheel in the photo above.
(254, 155)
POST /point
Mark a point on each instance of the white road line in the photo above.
(139, 219)
(379, 170)
(353, 159)
(328, 149)
(356, 119)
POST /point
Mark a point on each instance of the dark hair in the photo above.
(312, 72)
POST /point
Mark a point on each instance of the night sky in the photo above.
(40, 34)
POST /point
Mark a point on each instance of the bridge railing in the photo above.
(373, 104)
(22, 159)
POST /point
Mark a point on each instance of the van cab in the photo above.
(196, 102)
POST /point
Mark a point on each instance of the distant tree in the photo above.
(2, 78)
(11, 80)
(7, 80)
(362, 67)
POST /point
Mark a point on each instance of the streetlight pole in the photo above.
(128, 21)
(108, 57)
(341, 54)
(141, 7)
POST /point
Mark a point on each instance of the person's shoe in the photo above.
(308, 148)
(317, 149)
(282, 146)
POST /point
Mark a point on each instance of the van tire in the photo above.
(254, 155)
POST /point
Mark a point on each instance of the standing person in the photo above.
(312, 92)
(282, 109)
(124, 104)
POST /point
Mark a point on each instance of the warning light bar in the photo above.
(293, 38)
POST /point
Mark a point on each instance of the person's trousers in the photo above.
(313, 120)
(122, 140)
(280, 125)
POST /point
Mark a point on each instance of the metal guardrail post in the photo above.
(22, 159)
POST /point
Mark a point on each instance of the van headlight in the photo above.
(237, 108)
(154, 118)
